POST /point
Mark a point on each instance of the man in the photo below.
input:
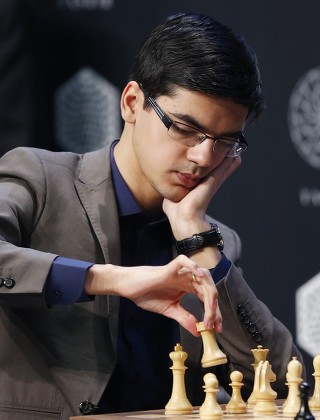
(93, 290)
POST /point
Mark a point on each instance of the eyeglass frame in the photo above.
(168, 123)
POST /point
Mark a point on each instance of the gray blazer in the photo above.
(51, 359)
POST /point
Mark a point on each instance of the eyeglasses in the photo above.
(191, 137)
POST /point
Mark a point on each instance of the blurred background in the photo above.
(64, 63)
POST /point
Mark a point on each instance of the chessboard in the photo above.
(160, 415)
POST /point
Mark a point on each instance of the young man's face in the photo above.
(164, 167)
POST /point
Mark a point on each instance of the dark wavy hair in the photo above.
(198, 53)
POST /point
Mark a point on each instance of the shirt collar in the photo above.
(127, 204)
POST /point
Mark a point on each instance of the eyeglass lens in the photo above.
(191, 137)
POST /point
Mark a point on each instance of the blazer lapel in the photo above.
(95, 189)
(96, 193)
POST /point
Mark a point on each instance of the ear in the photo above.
(130, 98)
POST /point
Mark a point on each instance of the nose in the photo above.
(202, 154)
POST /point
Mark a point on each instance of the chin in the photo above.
(178, 196)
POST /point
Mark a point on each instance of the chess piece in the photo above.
(304, 412)
(178, 403)
(259, 354)
(236, 404)
(212, 355)
(210, 409)
(314, 402)
(292, 404)
(265, 396)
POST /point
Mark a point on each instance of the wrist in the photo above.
(207, 257)
(210, 237)
(187, 229)
(99, 280)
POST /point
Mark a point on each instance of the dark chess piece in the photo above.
(304, 412)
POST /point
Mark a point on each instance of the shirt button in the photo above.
(57, 293)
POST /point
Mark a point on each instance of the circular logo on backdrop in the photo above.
(304, 117)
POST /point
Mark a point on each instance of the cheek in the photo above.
(152, 159)
(159, 161)
(157, 149)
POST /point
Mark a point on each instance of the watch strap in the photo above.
(201, 240)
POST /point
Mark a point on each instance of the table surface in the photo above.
(160, 414)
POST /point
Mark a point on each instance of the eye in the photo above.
(182, 130)
(185, 131)
(227, 143)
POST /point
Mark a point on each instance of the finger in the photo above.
(186, 266)
(235, 163)
(184, 318)
(208, 294)
(215, 321)
(218, 321)
(196, 279)
(215, 179)
(225, 169)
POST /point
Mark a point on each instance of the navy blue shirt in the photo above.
(142, 379)
(142, 376)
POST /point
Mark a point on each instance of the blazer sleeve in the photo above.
(247, 323)
(22, 197)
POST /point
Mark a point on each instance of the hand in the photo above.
(160, 289)
(188, 215)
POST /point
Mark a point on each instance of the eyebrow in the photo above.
(187, 119)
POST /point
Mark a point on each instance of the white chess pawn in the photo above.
(236, 404)
(212, 355)
(292, 404)
(314, 402)
(178, 403)
(210, 409)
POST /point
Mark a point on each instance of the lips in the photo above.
(188, 180)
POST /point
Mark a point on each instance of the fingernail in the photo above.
(219, 326)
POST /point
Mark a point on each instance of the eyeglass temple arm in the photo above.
(166, 121)
(243, 140)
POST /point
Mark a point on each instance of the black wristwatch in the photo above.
(201, 240)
